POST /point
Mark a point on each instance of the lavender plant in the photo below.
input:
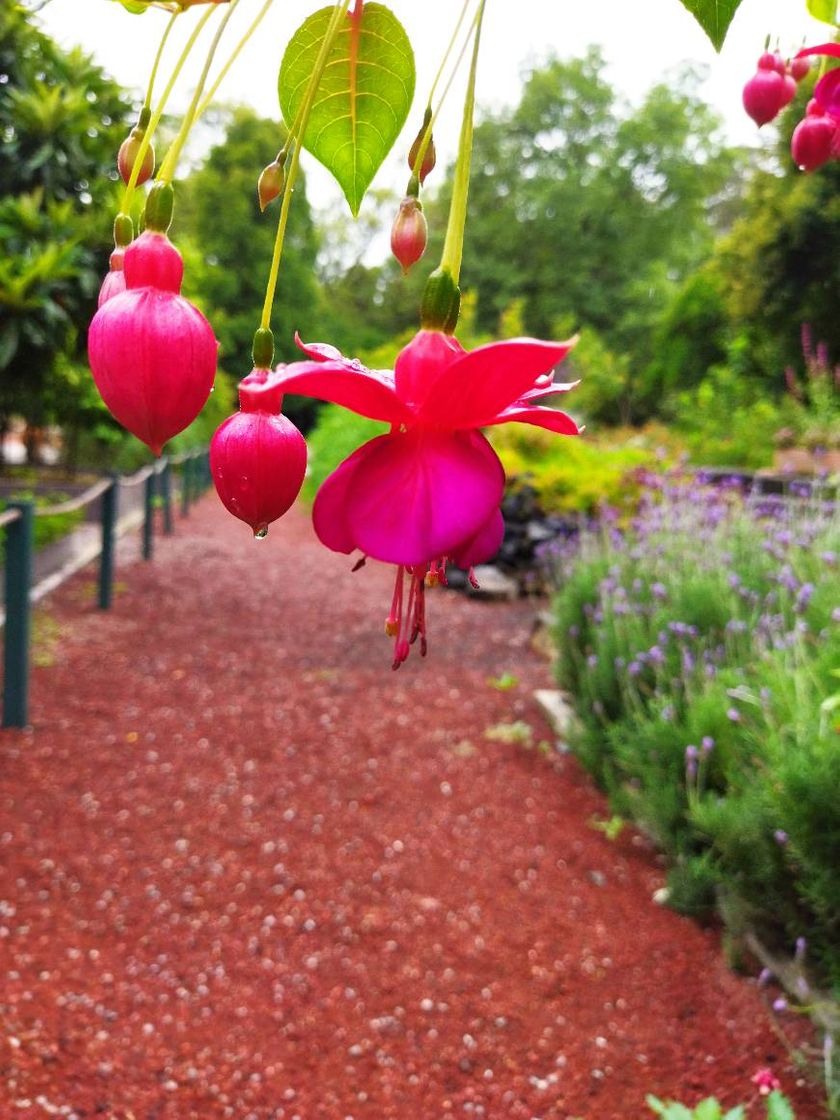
(699, 642)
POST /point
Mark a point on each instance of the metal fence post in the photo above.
(110, 506)
(17, 638)
(186, 482)
(148, 514)
(166, 494)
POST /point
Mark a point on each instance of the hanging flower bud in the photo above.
(271, 181)
(409, 232)
(789, 88)
(114, 281)
(129, 150)
(814, 138)
(152, 354)
(430, 156)
(257, 456)
(799, 67)
(763, 94)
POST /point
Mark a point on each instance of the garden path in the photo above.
(249, 872)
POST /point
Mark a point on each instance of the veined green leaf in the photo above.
(826, 11)
(363, 98)
(714, 16)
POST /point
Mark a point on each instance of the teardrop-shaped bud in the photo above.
(270, 183)
(409, 233)
(762, 95)
(799, 67)
(813, 140)
(153, 358)
(114, 281)
(257, 456)
(129, 150)
(429, 157)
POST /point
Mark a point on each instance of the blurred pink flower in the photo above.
(765, 1081)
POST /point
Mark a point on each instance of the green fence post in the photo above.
(17, 638)
(166, 494)
(110, 505)
(148, 515)
(186, 482)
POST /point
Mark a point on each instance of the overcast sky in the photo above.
(641, 41)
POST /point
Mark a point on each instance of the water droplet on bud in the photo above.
(261, 533)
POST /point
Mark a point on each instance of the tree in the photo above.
(62, 121)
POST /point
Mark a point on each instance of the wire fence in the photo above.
(17, 521)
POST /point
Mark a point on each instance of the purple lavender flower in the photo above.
(764, 977)
(634, 668)
(707, 744)
(801, 947)
(780, 1004)
(733, 714)
(592, 660)
(659, 590)
(668, 713)
(655, 655)
(691, 753)
(781, 837)
(835, 615)
(806, 592)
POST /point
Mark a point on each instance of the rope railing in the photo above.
(18, 523)
(74, 504)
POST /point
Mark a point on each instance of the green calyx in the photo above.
(262, 350)
(144, 118)
(123, 231)
(159, 206)
(441, 302)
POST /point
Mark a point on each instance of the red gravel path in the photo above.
(250, 872)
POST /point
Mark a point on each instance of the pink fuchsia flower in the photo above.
(429, 491)
(114, 281)
(827, 89)
(765, 1081)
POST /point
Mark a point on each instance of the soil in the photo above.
(248, 871)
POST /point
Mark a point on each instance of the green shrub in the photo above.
(700, 645)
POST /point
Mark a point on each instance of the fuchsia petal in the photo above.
(552, 419)
(323, 352)
(421, 362)
(416, 495)
(474, 388)
(827, 92)
(329, 513)
(832, 49)
(363, 391)
(484, 545)
(551, 389)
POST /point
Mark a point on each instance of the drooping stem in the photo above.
(453, 246)
(130, 186)
(429, 129)
(211, 93)
(167, 170)
(150, 91)
(295, 142)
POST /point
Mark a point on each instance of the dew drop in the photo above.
(261, 533)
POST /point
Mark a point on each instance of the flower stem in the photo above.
(130, 186)
(223, 72)
(427, 132)
(453, 246)
(148, 102)
(295, 142)
(167, 170)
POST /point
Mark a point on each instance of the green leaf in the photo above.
(778, 1107)
(708, 1109)
(363, 98)
(736, 1113)
(714, 16)
(826, 11)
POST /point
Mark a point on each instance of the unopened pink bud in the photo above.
(128, 152)
(799, 67)
(409, 233)
(763, 94)
(813, 141)
(789, 88)
(270, 183)
(114, 281)
(257, 456)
